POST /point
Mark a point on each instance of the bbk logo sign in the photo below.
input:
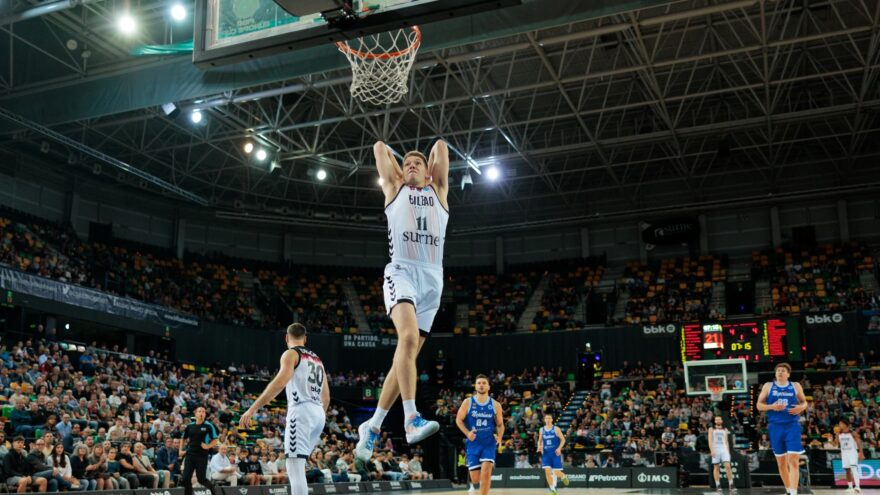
(202, 491)
(659, 330)
(653, 478)
(824, 319)
(273, 490)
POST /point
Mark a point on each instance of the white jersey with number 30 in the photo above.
(417, 226)
(308, 379)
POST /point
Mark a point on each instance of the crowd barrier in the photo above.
(589, 478)
(314, 489)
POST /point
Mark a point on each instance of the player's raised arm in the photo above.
(438, 166)
(389, 169)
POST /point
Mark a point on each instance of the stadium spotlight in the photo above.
(196, 116)
(322, 174)
(178, 12)
(261, 154)
(126, 24)
(381, 181)
(493, 173)
(248, 147)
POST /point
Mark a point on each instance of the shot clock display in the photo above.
(764, 340)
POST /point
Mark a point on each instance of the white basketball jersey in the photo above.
(307, 382)
(417, 226)
(718, 437)
(847, 442)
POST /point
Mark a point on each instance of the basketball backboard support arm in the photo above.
(210, 50)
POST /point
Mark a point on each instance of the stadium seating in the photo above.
(673, 289)
(826, 278)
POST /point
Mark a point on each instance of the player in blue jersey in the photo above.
(481, 421)
(550, 443)
(784, 402)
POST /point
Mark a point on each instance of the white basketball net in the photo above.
(381, 63)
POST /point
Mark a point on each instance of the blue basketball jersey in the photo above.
(481, 418)
(550, 440)
(786, 395)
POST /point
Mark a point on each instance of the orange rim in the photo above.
(343, 47)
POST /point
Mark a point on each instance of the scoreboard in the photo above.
(756, 340)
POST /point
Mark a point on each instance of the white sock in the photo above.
(849, 484)
(296, 470)
(409, 408)
(554, 478)
(855, 475)
(378, 418)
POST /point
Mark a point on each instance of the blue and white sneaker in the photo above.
(366, 441)
(419, 428)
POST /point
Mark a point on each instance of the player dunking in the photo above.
(417, 211)
(850, 455)
(719, 448)
(550, 443)
(784, 402)
(308, 397)
(481, 421)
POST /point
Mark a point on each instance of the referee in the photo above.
(202, 438)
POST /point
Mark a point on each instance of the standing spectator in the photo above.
(220, 467)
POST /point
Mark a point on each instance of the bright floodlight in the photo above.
(196, 116)
(261, 154)
(493, 173)
(178, 12)
(322, 175)
(248, 147)
(381, 181)
(126, 24)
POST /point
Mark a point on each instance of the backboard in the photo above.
(230, 31)
(699, 376)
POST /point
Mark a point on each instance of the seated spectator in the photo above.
(19, 472)
(221, 469)
(73, 469)
(250, 468)
(522, 462)
(146, 471)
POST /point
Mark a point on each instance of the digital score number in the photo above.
(752, 340)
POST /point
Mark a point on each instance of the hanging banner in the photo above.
(92, 299)
(368, 341)
(670, 231)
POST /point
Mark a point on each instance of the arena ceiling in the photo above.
(666, 106)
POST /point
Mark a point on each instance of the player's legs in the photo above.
(561, 476)
(782, 464)
(729, 470)
(296, 470)
(794, 471)
(390, 389)
(716, 472)
(551, 483)
(486, 477)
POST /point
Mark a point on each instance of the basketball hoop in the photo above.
(716, 394)
(380, 64)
